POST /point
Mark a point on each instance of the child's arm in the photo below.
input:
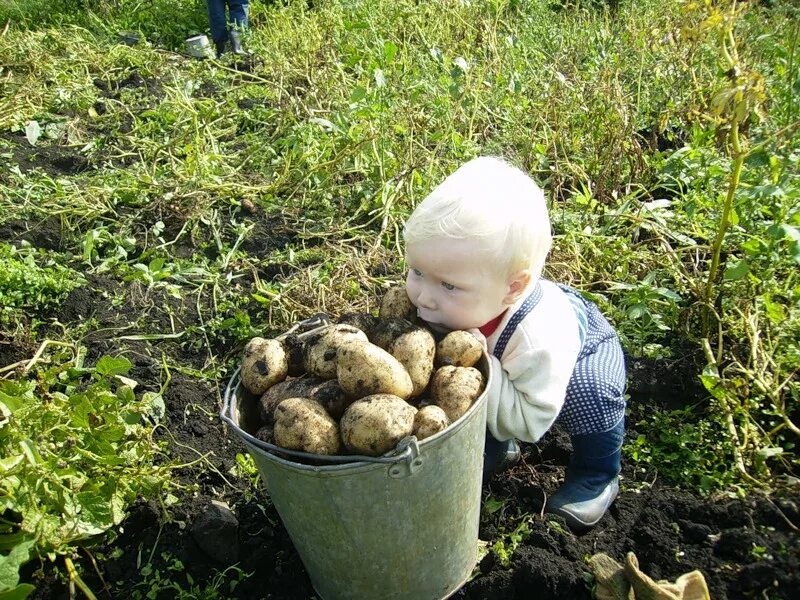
(527, 392)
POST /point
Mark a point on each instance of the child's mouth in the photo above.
(438, 327)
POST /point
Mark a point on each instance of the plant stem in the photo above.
(724, 222)
(729, 421)
(73, 576)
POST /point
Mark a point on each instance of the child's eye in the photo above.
(417, 272)
(448, 286)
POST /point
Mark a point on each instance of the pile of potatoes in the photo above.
(361, 385)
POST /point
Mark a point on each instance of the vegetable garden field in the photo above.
(157, 211)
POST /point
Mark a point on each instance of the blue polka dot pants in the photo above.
(595, 400)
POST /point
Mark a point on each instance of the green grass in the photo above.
(350, 112)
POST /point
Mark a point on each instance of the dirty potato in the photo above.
(302, 424)
(373, 425)
(320, 351)
(429, 421)
(415, 351)
(293, 346)
(294, 387)
(387, 331)
(454, 389)
(266, 433)
(332, 398)
(396, 304)
(360, 320)
(459, 349)
(364, 369)
(263, 365)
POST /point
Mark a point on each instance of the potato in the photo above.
(295, 387)
(360, 320)
(429, 421)
(263, 365)
(415, 351)
(387, 331)
(320, 350)
(454, 389)
(302, 424)
(364, 369)
(266, 433)
(396, 303)
(458, 348)
(293, 346)
(332, 398)
(373, 425)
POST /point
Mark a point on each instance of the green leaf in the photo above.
(765, 453)
(754, 246)
(389, 51)
(10, 541)
(737, 271)
(155, 265)
(23, 590)
(636, 311)
(358, 94)
(95, 515)
(776, 312)
(153, 406)
(9, 462)
(492, 505)
(110, 365)
(126, 395)
(29, 450)
(10, 564)
(759, 158)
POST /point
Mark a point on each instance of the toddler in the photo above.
(475, 250)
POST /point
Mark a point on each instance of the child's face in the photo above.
(452, 286)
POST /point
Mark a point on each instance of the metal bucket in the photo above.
(396, 527)
(198, 46)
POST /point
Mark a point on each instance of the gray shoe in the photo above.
(582, 503)
(236, 44)
(498, 456)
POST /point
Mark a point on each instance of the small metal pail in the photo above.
(403, 526)
(199, 47)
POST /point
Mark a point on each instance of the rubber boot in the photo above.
(219, 46)
(591, 483)
(236, 43)
(498, 456)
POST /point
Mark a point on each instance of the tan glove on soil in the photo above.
(615, 582)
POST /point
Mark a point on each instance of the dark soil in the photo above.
(745, 547)
(52, 158)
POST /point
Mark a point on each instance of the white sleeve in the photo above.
(527, 392)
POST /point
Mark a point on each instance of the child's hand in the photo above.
(480, 337)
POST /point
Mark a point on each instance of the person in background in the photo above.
(227, 28)
(475, 250)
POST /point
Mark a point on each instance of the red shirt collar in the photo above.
(490, 327)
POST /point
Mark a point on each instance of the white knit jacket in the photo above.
(529, 383)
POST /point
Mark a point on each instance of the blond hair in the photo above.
(491, 201)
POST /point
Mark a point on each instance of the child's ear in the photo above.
(516, 285)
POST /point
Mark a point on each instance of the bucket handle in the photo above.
(407, 449)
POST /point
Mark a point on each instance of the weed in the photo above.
(175, 581)
(31, 282)
(508, 541)
(683, 448)
(75, 450)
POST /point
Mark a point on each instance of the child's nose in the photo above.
(426, 300)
